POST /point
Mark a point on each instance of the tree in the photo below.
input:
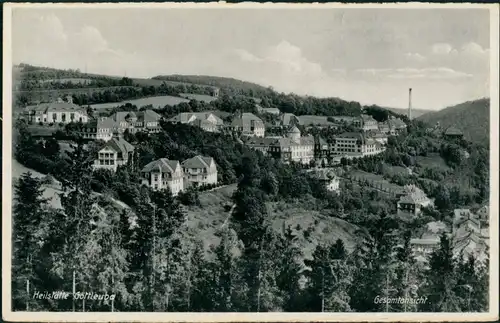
(441, 280)
(226, 271)
(28, 232)
(329, 279)
(290, 269)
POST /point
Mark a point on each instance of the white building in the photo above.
(57, 112)
(163, 173)
(115, 152)
(207, 121)
(355, 144)
(200, 171)
(369, 123)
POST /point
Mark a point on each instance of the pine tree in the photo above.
(290, 269)
(441, 280)
(226, 270)
(472, 285)
(407, 279)
(29, 215)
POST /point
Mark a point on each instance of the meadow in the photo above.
(198, 97)
(155, 101)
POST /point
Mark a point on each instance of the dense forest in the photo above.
(472, 118)
(152, 261)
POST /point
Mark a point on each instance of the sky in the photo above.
(367, 55)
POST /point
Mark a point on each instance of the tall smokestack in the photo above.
(409, 105)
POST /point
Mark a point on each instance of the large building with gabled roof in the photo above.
(57, 112)
(207, 121)
(412, 201)
(199, 171)
(164, 173)
(115, 152)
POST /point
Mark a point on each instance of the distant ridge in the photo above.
(216, 81)
(471, 117)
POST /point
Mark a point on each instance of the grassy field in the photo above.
(156, 101)
(324, 229)
(206, 219)
(376, 181)
(432, 161)
(198, 97)
(68, 80)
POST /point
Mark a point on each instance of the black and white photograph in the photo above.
(250, 162)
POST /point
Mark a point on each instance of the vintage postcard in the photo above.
(218, 162)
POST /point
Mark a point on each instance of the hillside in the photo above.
(221, 82)
(472, 117)
(416, 113)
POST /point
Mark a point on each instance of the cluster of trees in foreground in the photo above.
(152, 260)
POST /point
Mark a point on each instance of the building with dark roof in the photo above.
(248, 124)
(453, 133)
(162, 174)
(328, 178)
(412, 201)
(115, 152)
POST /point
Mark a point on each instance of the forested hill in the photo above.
(472, 118)
(227, 83)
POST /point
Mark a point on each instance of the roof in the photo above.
(413, 195)
(287, 118)
(375, 134)
(352, 135)
(141, 116)
(189, 117)
(367, 117)
(198, 162)
(294, 129)
(119, 145)
(163, 165)
(56, 107)
(309, 120)
(318, 140)
(246, 119)
(396, 123)
(453, 131)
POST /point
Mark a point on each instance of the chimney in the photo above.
(409, 105)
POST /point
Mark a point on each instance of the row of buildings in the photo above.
(247, 124)
(100, 128)
(303, 149)
(161, 173)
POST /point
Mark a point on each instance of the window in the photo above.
(54, 116)
(106, 162)
(111, 162)
(63, 117)
(155, 177)
(72, 116)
